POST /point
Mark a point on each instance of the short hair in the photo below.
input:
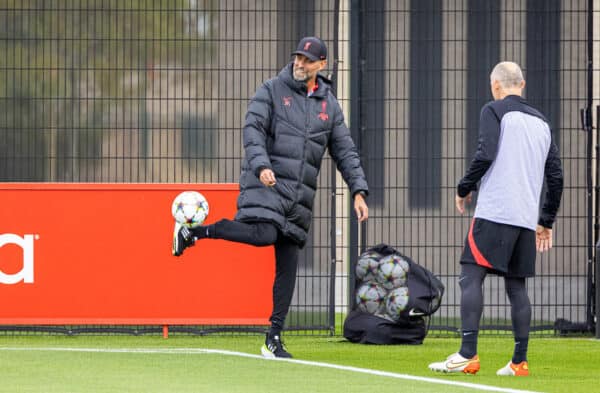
(509, 74)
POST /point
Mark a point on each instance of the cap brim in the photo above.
(307, 54)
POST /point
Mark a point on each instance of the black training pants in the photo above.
(471, 304)
(286, 258)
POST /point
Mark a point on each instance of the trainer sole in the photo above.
(266, 353)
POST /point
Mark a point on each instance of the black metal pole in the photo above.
(597, 269)
(587, 127)
(356, 124)
(332, 233)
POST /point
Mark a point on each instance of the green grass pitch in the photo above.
(111, 364)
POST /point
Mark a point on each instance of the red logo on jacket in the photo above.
(323, 114)
(287, 101)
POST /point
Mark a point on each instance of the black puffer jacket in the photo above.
(289, 132)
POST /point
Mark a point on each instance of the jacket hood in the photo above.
(286, 75)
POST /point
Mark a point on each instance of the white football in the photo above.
(367, 266)
(190, 208)
(392, 271)
(396, 301)
(370, 297)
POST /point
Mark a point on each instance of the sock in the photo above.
(274, 332)
(468, 347)
(520, 354)
(201, 232)
(276, 328)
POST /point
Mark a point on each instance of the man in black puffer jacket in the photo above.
(291, 120)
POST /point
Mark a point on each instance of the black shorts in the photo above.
(505, 249)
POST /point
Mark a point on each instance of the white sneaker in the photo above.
(456, 363)
(514, 370)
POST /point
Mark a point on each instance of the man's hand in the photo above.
(460, 202)
(360, 207)
(543, 238)
(267, 177)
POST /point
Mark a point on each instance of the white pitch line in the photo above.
(172, 351)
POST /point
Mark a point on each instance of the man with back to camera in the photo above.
(291, 120)
(514, 154)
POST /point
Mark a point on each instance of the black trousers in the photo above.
(286, 258)
(471, 303)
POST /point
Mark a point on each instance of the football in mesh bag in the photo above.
(190, 208)
(396, 301)
(392, 271)
(370, 297)
(367, 266)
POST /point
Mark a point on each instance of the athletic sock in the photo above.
(202, 232)
(274, 332)
(276, 328)
(468, 347)
(520, 353)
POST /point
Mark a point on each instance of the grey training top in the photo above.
(514, 155)
(510, 189)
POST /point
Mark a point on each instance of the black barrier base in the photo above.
(564, 327)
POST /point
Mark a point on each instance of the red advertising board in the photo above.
(101, 254)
